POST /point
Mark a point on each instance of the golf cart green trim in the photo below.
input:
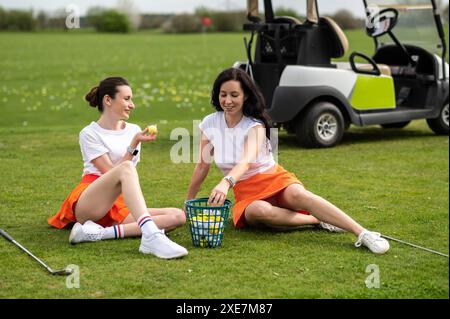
(308, 93)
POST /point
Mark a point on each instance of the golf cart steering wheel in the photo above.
(382, 22)
(375, 71)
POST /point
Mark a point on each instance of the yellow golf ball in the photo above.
(153, 129)
(203, 242)
(214, 230)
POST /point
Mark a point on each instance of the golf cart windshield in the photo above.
(415, 26)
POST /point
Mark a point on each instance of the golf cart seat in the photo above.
(338, 41)
(279, 41)
(384, 69)
(339, 47)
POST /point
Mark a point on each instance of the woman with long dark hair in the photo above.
(237, 137)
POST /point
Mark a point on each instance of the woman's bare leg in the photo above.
(297, 197)
(165, 218)
(263, 213)
(99, 197)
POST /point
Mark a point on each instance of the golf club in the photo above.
(416, 246)
(61, 272)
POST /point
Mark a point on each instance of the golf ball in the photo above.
(153, 130)
(203, 242)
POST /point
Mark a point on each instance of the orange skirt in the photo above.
(259, 187)
(66, 216)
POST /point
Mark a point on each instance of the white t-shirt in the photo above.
(96, 141)
(229, 144)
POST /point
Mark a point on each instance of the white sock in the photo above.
(147, 225)
(114, 232)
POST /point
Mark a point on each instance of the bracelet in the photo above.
(230, 180)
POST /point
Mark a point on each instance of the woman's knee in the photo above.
(302, 197)
(127, 165)
(127, 168)
(259, 211)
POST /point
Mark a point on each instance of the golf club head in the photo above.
(62, 272)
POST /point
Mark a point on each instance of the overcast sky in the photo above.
(171, 6)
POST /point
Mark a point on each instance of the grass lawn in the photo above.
(392, 181)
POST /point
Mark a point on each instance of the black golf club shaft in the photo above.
(9, 238)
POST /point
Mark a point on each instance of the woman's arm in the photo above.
(255, 140)
(201, 169)
(103, 163)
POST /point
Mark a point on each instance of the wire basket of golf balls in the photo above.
(207, 223)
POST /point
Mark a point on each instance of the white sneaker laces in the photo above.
(94, 234)
(159, 232)
(369, 237)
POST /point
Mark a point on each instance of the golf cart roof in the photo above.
(406, 7)
(312, 13)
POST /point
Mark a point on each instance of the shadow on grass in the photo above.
(308, 237)
(262, 230)
(369, 135)
(366, 135)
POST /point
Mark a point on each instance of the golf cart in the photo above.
(311, 95)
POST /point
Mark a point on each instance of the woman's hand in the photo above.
(219, 194)
(143, 137)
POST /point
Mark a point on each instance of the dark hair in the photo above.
(106, 87)
(254, 105)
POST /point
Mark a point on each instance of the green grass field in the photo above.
(395, 182)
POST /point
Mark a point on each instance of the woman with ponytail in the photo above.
(108, 202)
(237, 137)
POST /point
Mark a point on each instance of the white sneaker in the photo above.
(330, 228)
(89, 231)
(373, 241)
(161, 246)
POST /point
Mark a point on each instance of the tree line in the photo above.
(126, 20)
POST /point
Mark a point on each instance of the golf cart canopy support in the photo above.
(253, 10)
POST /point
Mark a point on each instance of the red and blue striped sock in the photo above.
(147, 225)
(114, 232)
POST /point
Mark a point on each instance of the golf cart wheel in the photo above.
(395, 125)
(439, 125)
(321, 125)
